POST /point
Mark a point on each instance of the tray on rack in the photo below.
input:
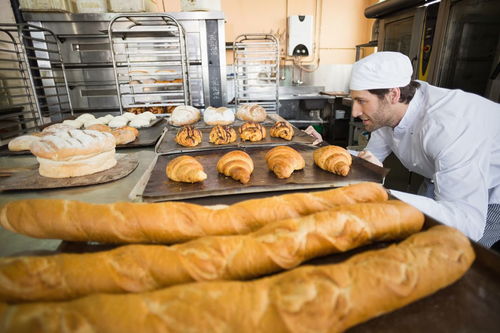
(160, 188)
(167, 144)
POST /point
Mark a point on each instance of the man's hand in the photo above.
(366, 155)
(312, 132)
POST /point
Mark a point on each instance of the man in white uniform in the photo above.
(448, 136)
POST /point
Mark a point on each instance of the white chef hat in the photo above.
(381, 70)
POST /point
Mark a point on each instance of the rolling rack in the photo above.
(150, 62)
(33, 84)
(256, 68)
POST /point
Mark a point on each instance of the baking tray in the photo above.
(148, 136)
(167, 144)
(29, 179)
(469, 305)
(159, 187)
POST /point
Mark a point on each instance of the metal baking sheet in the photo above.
(167, 144)
(30, 179)
(159, 187)
(469, 305)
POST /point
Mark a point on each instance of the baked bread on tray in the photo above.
(236, 164)
(251, 112)
(284, 160)
(218, 116)
(188, 136)
(185, 169)
(222, 135)
(251, 131)
(282, 129)
(184, 115)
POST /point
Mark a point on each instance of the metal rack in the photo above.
(256, 68)
(33, 85)
(149, 60)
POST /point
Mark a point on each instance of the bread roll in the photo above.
(236, 164)
(279, 245)
(251, 131)
(139, 123)
(218, 116)
(326, 298)
(251, 112)
(284, 160)
(85, 117)
(334, 159)
(100, 128)
(185, 169)
(118, 121)
(168, 222)
(222, 135)
(57, 127)
(73, 123)
(184, 115)
(129, 115)
(188, 136)
(124, 135)
(282, 129)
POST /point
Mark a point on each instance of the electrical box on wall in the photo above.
(300, 35)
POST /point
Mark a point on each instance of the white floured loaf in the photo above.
(251, 112)
(218, 116)
(24, 142)
(184, 115)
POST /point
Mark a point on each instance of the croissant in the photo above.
(312, 298)
(284, 160)
(251, 131)
(280, 245)
(185, 169)
(334, 159)
(222, 135)
(188, 136)
(236, 164)
(282, 129)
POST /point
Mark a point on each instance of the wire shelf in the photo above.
(150, 61)
(33, 84)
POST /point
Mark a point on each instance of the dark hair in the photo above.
(407, 92)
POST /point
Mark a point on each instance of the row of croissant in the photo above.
(189, 136)
(199, 284)
(281, 160)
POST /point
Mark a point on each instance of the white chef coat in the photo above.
(453, 138)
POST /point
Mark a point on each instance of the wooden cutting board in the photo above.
(29, 178)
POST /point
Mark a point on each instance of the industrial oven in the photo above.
(86, 53)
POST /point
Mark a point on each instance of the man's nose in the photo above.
(356, 110)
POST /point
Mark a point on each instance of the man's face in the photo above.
(374, 112)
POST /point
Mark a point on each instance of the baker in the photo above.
(450, 137)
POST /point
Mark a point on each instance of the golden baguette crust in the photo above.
(185, 169)
(334, 159)
(284, 160)
(328, 298)
(279, 245)
(169, 222)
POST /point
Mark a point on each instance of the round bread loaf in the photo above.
(72, 145)
(184, 115)
(222, 135)
(73, 123)
(251, 112)
(218, 116)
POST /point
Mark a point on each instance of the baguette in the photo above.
(329, 298)
(168, 222)
(279, 245)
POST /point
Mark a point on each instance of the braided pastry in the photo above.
(334, 159)
(185, 169)
(188, 136)
(282, 129)
(251, 131)
(222, 135)
(236, 164)
(284, 160)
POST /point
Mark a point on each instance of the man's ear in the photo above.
(394, 95)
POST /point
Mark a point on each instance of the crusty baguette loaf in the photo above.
(284, 160)
(168, 222)
(329, 298)
(135, 268)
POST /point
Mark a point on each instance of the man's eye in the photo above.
(361, 102)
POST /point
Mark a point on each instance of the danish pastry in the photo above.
(188, 136)
(222, 135)
(251, 131)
